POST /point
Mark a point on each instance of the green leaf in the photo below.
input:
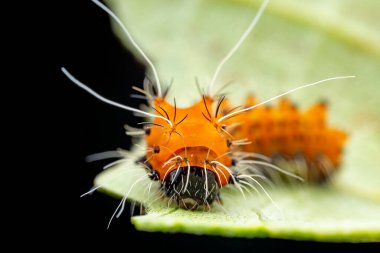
(296, 42)
(322, 214)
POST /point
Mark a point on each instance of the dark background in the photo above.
(90, 51)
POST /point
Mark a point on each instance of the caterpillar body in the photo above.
(195, 151)
(196, 155)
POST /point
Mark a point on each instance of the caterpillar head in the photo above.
(189, 154)
(192, 187)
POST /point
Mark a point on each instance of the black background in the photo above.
(91, 52)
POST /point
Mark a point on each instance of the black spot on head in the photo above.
(156, 149)
(191, 190)
(147, 131)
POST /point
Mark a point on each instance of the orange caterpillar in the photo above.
(196, 151)
(194, 148)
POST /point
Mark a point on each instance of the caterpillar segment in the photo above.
(299, 141)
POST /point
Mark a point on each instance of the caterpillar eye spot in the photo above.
(156, 149)
(147, 130)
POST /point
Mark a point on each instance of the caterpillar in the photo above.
(196, 151)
